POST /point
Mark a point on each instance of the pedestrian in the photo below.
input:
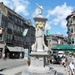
(3, 57)
(13, 55)
(63, 61)
(73, 65)
(69, 63)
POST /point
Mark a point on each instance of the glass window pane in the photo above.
(0, 36)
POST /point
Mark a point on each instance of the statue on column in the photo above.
(40, 8)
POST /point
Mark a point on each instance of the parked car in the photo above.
(61, 53)
(54, 59)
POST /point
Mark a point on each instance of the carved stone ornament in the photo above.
(40, 25)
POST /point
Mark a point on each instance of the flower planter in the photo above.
(28, 63)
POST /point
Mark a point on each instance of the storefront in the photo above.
(14, 52)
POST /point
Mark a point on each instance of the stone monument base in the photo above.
(39, 65)
(27, 72)
(38, 69)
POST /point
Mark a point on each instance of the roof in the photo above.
(68, 16)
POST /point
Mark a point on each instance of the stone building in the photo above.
(71, 28)
(12, 26)
(55, 40)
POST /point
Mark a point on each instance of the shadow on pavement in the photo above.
(60, 73)
(3, 69)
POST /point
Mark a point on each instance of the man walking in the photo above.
(69, 63)
(73, 66)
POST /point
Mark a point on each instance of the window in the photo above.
(21, 22)
(0, 36)
(70, 20)
(71, 30)
(15, 27)
(9, 37)
(69, 41)
(10, 16)
(72, 40)
(10, 25)
(18, 38)
(21, 29)
(2, 24)
(15, 38)
(18, 28)
(15, 19)
(18, 21)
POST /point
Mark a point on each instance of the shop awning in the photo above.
(15, 49)
(64, 47)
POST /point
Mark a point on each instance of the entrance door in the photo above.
(1, 52)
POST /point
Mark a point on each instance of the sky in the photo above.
(55, 11)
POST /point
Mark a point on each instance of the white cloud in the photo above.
(59, 14)
(20, 6)
(35, 13)
(63, 24)
(48, 25)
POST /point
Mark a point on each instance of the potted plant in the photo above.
(28, 61)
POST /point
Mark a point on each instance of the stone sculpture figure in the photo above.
(40, 8)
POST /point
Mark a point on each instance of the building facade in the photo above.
(55, 40)
(71, 28)
(12, 26)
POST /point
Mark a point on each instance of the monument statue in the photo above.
(40, 8)
(39, 54)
